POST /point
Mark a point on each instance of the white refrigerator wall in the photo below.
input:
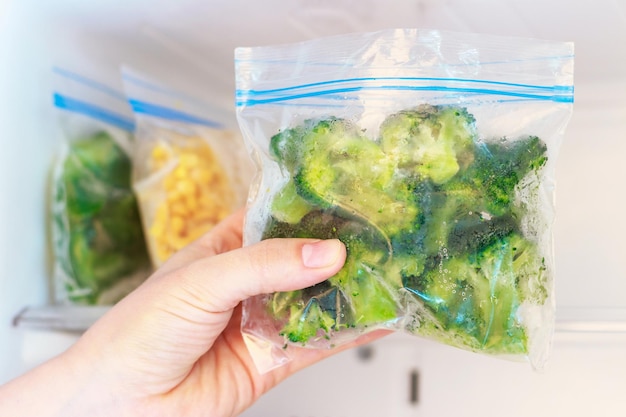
(190, 44)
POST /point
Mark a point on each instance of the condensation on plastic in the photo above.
(191, 168)
(88, 109)
(512, 86)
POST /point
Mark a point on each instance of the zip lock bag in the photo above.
(431, 155)
(99, 248)
(191, 167)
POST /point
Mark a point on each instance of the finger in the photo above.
(225, 236)
(221, 282)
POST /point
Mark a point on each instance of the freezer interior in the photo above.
(189, 44)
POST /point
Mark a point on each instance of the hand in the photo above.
(173, 347)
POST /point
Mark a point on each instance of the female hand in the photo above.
(174, 347)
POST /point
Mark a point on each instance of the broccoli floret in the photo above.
(477, 230)
(366, 283)
(321, 224)
(498, 169)
(102, 157)
(434, 142)
(457, 221)
(290, 307)
(476, 297)
(285, 145)
(96, 263)
(476, 206)
(531, 278)
(288, 206)
(97, 217)
(83, 192)
(307, 322)
(334, 165)
(281, 302)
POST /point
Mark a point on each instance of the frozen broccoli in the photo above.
(99, 232)
(307, 321)
(434, 142)
(476, 296)
(476, 206)
(457, 220)
(498, 169)
(428, 211)
(365, 282)
(288, 206)
(334, 165)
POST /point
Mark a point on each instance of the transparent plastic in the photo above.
(190, 170)
(431, 155)
(99, 248)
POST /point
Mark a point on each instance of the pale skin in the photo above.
(174, 347)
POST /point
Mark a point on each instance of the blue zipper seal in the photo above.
(150, 109)
(89, 83)
(562, 94)
(95, 112)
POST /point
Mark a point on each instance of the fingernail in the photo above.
(321, 253)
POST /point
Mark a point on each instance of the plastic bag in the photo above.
(191, 170)
(431, 155)
(99, 246)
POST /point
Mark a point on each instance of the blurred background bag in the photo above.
(99, 246)
(191, 168)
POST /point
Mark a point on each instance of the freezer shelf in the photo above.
(61, 318)
(80, 318)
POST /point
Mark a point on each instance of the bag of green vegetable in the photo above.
(99, 247)
(431, 155)
(191, 168)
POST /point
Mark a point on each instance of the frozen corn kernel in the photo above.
(180, 172)
(173, 196)
(196, 196)
(179, 209)
(177, 225)
(159, 154)
(186, 187)
(203, 176)
(192, 203)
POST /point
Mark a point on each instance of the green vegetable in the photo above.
(475, 297)
(431, 217)
(498, 168)
(359, 294)
(434, 142)
(288, 206)
(333, 165)
(100, 240)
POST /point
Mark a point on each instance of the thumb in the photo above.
(223, 281)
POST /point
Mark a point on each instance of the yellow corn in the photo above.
(197, 196)
(178, 225)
